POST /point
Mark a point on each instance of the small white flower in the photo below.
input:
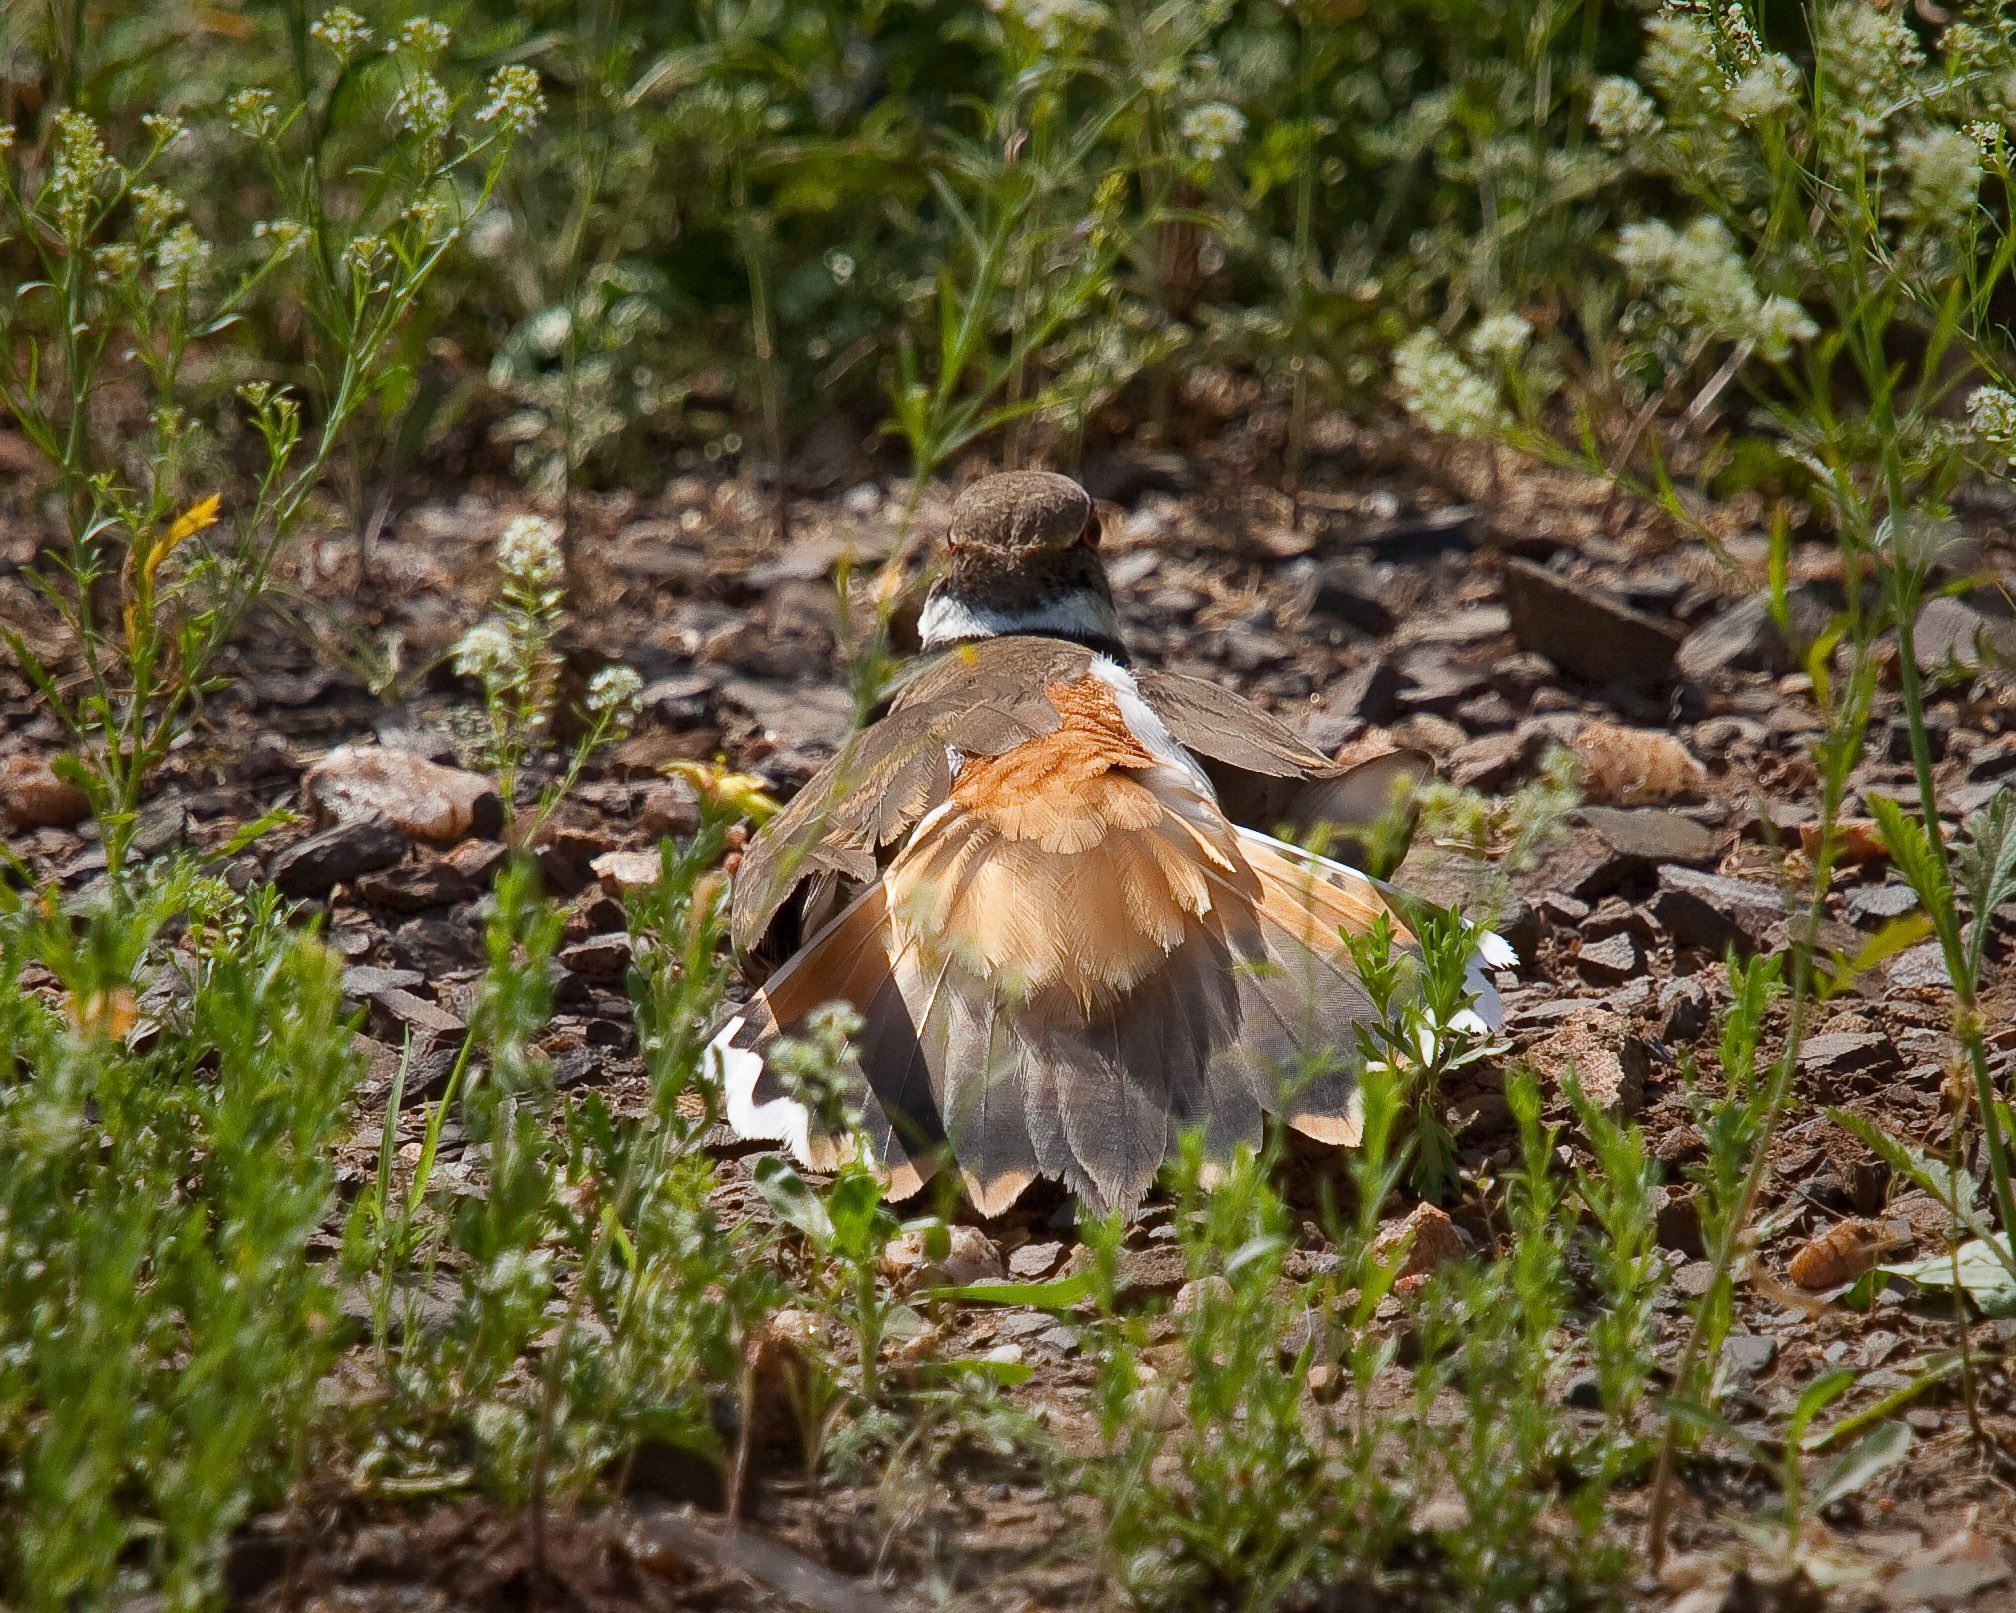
(81, 160)
(1443, 392)
(180, 256)
(423, 107)
(286, 234)
(166, 131)
(364, 254)
(486, 654)
(422, 36)
(1622, 113)
(1943, 167)
(529, 551)
(841, 266)
(1991, 416)
(1780, 323)
(613, 691)
(1055, 21)
(1502, 337)
(343, 31)
(1765, 92)
(1212, 129)
(6, 136)
(156, 207)
(514, 101)
(116, 262)
(253, 114)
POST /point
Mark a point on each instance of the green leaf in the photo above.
(1876, 1452)
(1059, 1295)
(1980, 1269)
(249, 832)
(1006, 1373)
(854, 1208)
(1822, 1392)
(1904, 838)
(786, 1192)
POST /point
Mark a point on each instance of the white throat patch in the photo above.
(947, 620)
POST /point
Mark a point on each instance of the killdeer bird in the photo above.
(1047, 884)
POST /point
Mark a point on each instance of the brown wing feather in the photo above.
(979, 700)
(1267, 775)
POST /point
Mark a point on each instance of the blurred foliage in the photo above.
(737, 217)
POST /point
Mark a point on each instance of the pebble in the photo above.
(426, 800)
(33, 797)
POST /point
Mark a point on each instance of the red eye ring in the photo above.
(1089, 538)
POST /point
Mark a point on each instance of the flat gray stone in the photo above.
(1586, 630)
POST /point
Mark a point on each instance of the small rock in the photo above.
(1710, 911)
(1652, 835)
(308, 868)
(1952, 636)
(1949, 1574)
(1842, 1253)
(1872, 906)
(415, 887)
(1350, 592)
(478, 861)
(970, 1258)
(1583, 1393)
(1034, 1260)
(1429, 1237)
(364, 981)
(437, 947)
(1749, 1355)
(33, 797)
(673, 810)
(1678, 1225)
(1369, 692)
(1684, 1009)
(1326, 1381)
(1611, 961)
(622, 871)
(1608, 1062)
(417, 1013)
(1919, 968)
(1744, 638)
(599, 957)
(1486, 763)
(1585, 630)
(425, 799)
(1833, 1057)
(1193, 1295)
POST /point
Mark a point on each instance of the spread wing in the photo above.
(1265, 774)
(977, 700)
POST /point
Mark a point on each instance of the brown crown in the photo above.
(1021, 509)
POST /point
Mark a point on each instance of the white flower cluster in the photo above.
(116, 262)
(1768, 90)
(529, 551)
(423, 107)
(165, 131)
(1443, 392)
(513, 101)
(1702, 280)
(613, 693)
(180, 256)
(1055, 21)
(1622, 113)
(422, 36)
(155, 208)
(1991, 416)
(1499, 339)
(486, 654)
(1943, 170)
(286, 234)
(253, 114)
(343, 31)
(1869, 56)
(1211, 130)
(82, 163)
(363, 255)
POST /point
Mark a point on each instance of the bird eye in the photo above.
(1090, 536)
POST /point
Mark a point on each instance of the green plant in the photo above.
(511, 655)
(1423, 1026)
(123, 293)
(163, 1331)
